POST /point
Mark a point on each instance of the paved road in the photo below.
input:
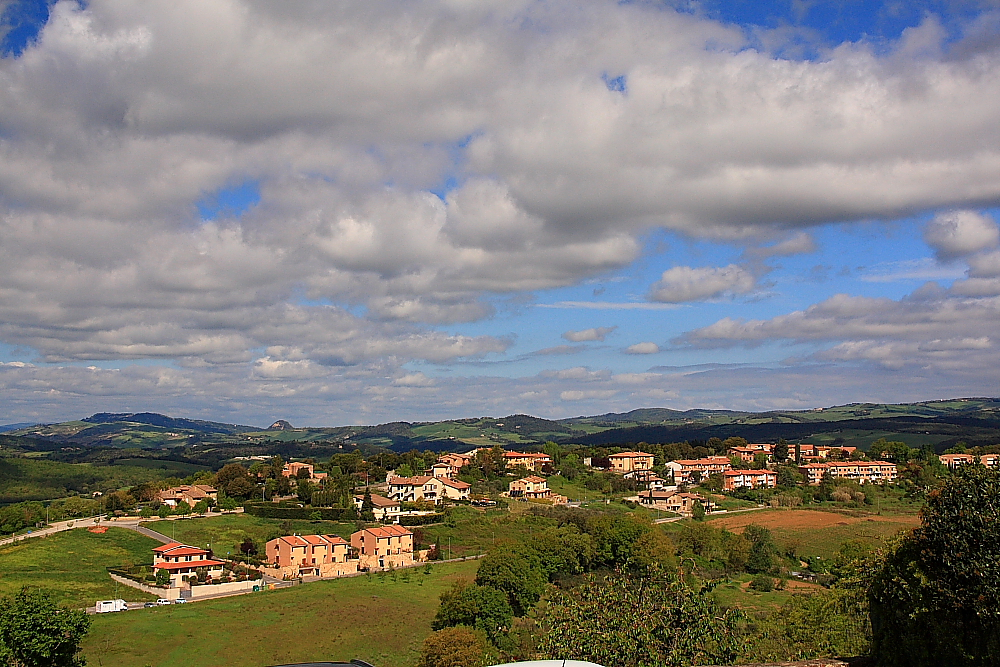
(51, 529)
(712, 514)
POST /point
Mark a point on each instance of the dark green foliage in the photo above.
(936, 600)
(162, 577)
(698, 511)
(421, 520)
(517, 571)
(563, 550)
(272, 511)
(367, 507)
(34, 632)
(762, 583)
(480, 607)
(762, 549)
(630, 621)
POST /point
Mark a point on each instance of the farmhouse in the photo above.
(629, 461)
(188, 493)
(182, 559)
(750, 479)
(292, 470)
(309, 555)
(383, 547)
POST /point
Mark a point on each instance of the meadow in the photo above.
(72, 565)
(381, 619)
(31, 478)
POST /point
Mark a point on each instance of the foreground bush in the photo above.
(454, 647)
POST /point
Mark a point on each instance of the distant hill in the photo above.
(938, 423)
(4, 428)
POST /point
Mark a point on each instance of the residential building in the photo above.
(529, 460)
(382, 547)
(309, 555)
(534, 487)
(684, 469)
(188, 493)
(650, 479)
(749, 479)
(750, 453)
(629, 461)
(863, 472)
(455, 463)
(425, 487)
(443, 470)
(183, 560)
(384, 509)
(680, 502)
(953, 461)
(292, 470)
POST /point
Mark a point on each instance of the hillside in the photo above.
(938, 423)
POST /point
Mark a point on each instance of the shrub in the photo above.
(762, 583)
(454, 647)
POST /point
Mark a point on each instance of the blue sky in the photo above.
(245, 211)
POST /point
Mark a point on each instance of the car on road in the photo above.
(161, 602)
(180, 601)
(148, 605)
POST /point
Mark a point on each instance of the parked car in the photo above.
(162, 602)
(180, 601)
(148, 605)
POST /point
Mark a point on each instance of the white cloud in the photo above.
(598, 334)
(642, 348)
(608, 305)
(799, 244)
(960, 233)
(683, 283)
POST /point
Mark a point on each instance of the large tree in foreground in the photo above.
(936, 600)
(34, 632)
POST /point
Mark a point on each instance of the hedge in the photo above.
(421, 520)
(326, 513)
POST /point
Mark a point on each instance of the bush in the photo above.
(270, 511)
(762, 583)
(454, 647)
(421, 520)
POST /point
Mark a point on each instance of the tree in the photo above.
(248, 547)
(367, 507)
(480, 607)
(162, 577)
(201, 506)
(781, 451)
(629, 621)
(234, 481)
(762, 549)
(936, 598)
(182, 508)
(304, 490)
(454, 647)
(34, 632)
(698, 511)
(516, 571)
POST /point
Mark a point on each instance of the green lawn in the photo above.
(470, 532)
(225, 533)
(375, 619)
(71, 565)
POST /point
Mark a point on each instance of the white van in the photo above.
(106, 606)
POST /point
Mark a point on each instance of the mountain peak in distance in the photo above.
(280, 425)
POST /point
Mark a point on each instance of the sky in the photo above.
(352, 213)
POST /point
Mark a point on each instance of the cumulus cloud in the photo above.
(598, 333)
(411, 162)
(684, 283)
(642, 348)
(959, 233)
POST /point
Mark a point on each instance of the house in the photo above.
(529, 487)
(382, 547)
(684, 469)
(425, 487)
(863, 472)
(383, 508)
(443, 470)
(292, 470)
(309, 555)
(188, 493)
(629, 461)
(749, 479)
(652, 481)
(750, 453)
(182, 560)
(671, 501)
(455, 463)
(529, 460)
(953, 461)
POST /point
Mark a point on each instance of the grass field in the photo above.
(738, 594)
(225, 533)
(71, 565)
(817, 532)
(372, 618)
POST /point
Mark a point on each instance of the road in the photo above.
(713, 514)
(51, 529)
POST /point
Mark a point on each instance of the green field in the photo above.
(32, 478)
(372, 618)
(225, 533)
(71, 565)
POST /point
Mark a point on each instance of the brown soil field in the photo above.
(807, 519)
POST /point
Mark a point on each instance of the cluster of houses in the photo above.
(953, 461)
(191, 494)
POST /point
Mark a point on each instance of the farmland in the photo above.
(382, 619)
